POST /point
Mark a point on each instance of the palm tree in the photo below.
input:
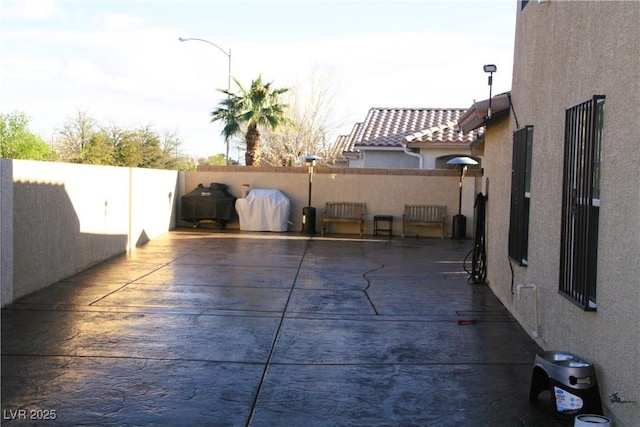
(253, 108)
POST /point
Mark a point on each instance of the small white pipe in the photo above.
(534, 288)
(411, 153)
(522, 286)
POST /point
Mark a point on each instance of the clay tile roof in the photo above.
(446, 133)
(392, 127)
(355, 135)
(341, 145)
(346, 143)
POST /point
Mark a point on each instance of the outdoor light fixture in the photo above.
(309, 212)
(311, 162)
(459, 230)
(490, 68)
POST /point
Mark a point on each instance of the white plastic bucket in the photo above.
(590, 420)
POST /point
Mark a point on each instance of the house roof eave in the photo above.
(477, 115)
(422, 145)
(376, 148)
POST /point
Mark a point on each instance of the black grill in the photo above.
(213, 203)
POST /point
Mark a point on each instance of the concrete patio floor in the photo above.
(223, 328)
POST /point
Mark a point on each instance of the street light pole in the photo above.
(228, 54)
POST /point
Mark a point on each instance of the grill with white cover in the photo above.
(264, 210)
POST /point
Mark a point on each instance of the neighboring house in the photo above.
(335, 154)
(561, 175)
(344, 146)
(414, 138)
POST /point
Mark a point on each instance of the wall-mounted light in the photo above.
(490, 68)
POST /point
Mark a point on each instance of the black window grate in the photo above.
(580, 209)
(520, 195)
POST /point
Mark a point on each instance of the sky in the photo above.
(121, 61)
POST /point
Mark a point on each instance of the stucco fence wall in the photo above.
(385, 191)
(58, 219)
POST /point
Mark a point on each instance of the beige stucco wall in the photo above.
(67, 217)
(397, 159)
(566, 52)
(431, 154)
(385, 191)
(387, 159)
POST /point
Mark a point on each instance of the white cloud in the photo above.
(85, 73)
(115, 21)
(30, 9)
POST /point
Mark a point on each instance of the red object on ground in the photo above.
(467, 322)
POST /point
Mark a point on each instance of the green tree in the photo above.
(83, 140)
(148, 142)
(217, 159)
(17, 142)
(251, 109)
(98, 150)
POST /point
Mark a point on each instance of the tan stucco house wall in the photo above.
(566, 52)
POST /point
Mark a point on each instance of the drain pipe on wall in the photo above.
(414, 154)
(534, 288)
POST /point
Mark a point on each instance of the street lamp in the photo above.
(490, 68)
(182, 39)
(459, 230)
(309, 212)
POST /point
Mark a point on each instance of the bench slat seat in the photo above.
(343, 212)
(426, 215)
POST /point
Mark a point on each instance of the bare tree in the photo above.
(312, 110)
(74, 136)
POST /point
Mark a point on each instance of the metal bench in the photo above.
(343, 212)
(426, 215)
